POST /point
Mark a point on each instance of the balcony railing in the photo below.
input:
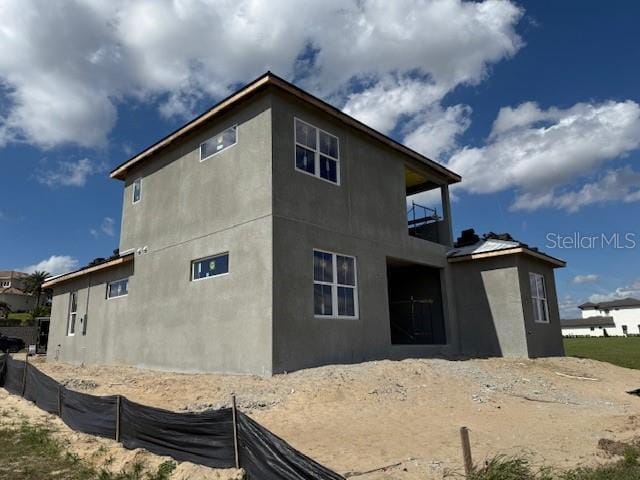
(424, 222)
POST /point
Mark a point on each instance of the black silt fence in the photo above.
(207, 438)
(266, 456)
(203, 438)
(14, 375)
(42, 390)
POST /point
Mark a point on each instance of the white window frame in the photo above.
(537, 297)
(116, 281)
(133, 190)
(72, 314)
(235, 126)
(334, 285)
(316, 153)
(210, 257)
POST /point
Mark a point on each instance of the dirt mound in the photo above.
(403, 417)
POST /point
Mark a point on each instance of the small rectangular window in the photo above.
(539, 298)
(6, 283)
(316, 152)
(334, 285)
(210, 266)
(118, 288)
(73, 313)
(137, 190)
(219, 142)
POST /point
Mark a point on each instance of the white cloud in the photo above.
(382, 105)
(632, 290)
(568, 307)
(588, 278)
(65, 84)
(621, 185)
(537, 151)
(55, 265)
(72, 173)
(435, 131)
(107, 227)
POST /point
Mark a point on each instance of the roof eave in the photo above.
(261, 82)
(510, 251)
(85, 271)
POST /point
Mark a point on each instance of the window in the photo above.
(137, 190)
(118, 288)
(210, 266)
(73, 313)
(334, 285)
(592, 329)
(625, 330)
(6, 283)
(218, 143)
(539, 298)
(317, 152)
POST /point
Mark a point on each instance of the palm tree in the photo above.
(33, 284)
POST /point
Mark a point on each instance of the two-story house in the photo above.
(12, 291)
(615, 318)
(267, 235)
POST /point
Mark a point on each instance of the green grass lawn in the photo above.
(32, 453)
(622, 351)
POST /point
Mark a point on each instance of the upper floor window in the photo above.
(317, 152)
(539, 298)
(219, 142)
(73, 313)
(210, 266)
(137, 190)
(6, 283)
(118, 288)
(334, 285)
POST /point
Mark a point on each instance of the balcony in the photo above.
(424, 223)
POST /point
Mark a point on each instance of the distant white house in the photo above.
(615, 318)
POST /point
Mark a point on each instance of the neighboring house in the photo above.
(271, 234)
(12, 292)
(615, 318)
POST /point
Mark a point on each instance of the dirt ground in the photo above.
(405, 415)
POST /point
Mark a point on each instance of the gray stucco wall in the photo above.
(250, 201)
(365, 217)
(18, 303)
(189, 210)
(495, 311)
(543, 339)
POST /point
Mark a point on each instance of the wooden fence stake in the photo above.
(118, 409)
(24, 375)
(466, 451)
(235, 430)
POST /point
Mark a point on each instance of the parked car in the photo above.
(11, 344)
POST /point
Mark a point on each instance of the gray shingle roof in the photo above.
(628, 302)
(587, 322)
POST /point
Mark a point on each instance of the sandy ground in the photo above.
(406, 415)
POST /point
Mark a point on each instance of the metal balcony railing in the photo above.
(423, 222)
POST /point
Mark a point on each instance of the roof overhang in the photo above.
(269, 79)
(54, 281)
(588, 322)
(557, 263)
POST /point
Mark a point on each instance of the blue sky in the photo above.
(534, 103)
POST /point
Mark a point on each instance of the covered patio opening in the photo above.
(416, 315)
